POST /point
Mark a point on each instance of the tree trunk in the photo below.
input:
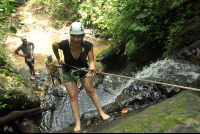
(19, 115)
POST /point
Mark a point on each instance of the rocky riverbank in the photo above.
(178, 114)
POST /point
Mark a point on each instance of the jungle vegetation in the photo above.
(137, 24)
(9, 74)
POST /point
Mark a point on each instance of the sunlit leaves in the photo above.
(2, 106)
(9, 7)
(130, 47)
(4, 58)
(142, 15)
(175, 3)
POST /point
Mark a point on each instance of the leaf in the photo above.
(166, 21)
(13, 29)
(142, 15)
(152, 102)
(10, 8)
(124, 110)
(140, 29)
(133, 26)
(175, 3)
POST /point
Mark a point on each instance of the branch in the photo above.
(20, 115)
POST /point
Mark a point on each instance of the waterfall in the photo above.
(172, 71)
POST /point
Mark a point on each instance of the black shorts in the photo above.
(30, 63)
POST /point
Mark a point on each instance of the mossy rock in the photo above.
(161, 117)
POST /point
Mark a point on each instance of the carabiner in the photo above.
(98, 72)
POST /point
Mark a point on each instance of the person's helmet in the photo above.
(23, 38)
(48, 54)
(76, 28)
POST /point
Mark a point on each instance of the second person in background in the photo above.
(52, 68)
(75, 51)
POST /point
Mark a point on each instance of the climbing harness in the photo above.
(30, 60)
(100, 72)
(75, 74)
(77, 71)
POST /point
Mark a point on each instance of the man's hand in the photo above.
(49, 71)
(51, 64)
(25, 55)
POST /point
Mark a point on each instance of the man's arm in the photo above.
(17, 52)
(48, 69)
(33, 46)
(53, 64)
(47, 66)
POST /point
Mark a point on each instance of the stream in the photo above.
(173, 71)
(108, 88)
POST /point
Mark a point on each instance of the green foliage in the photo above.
(2, 105)
(57, 24)
(59, 9)
(138, 23)
(135, 23)
(5, 63)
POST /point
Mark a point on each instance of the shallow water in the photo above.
(107, 87)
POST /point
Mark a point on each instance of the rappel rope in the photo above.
(99, 72)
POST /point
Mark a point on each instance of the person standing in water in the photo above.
(28, 54)
(52, 68)
(75, 51)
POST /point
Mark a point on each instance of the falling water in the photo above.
(174, 71)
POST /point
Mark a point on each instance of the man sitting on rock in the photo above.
(52, 68)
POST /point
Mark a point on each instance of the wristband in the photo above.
(93, 71)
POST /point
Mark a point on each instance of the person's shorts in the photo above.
(55, 74)
(30, 63)
(67, 77)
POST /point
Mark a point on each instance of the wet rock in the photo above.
(189, 125)
(90, 118)
(110, 54)
(27, 126)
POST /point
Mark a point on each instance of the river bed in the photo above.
(107, 87)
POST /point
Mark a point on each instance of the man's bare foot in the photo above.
(61, 86)
(77, 127)
(32, 77)
(105, 116)
(51, 85)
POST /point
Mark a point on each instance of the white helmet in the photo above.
(76, 28)
(23, 38)
(48, 54)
